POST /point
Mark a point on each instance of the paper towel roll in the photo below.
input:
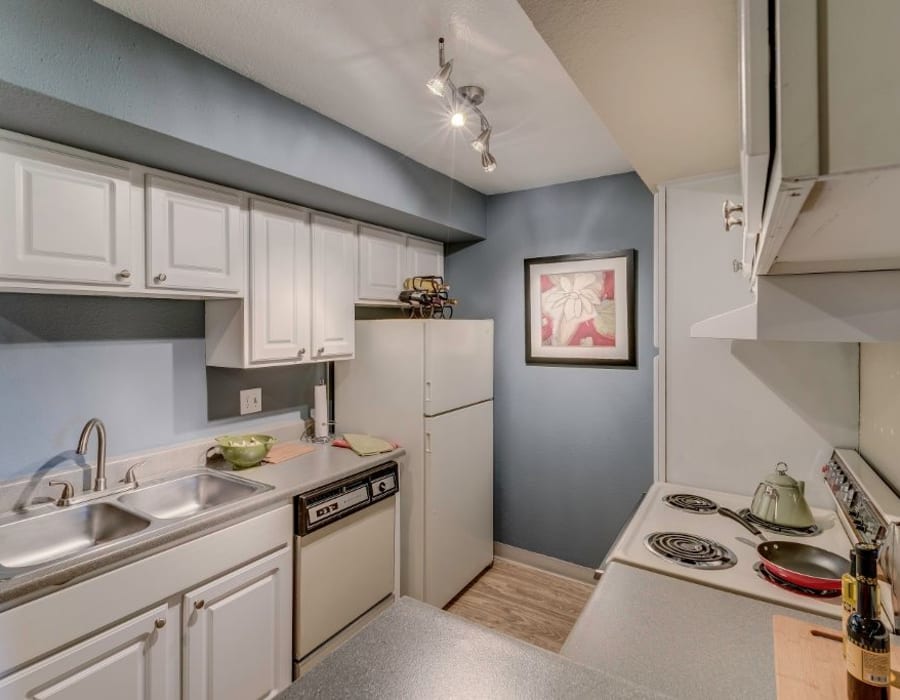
(321, 407)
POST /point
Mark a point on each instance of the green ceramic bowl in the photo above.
(245, 451)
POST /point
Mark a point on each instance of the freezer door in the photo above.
(459, 364)
(459, 499)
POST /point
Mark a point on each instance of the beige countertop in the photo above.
(679, 638)
(287, 479)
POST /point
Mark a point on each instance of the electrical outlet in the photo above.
(251, 401)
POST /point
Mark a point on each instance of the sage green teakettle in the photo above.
(779, 499)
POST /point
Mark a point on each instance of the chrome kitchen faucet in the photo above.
(100, 481)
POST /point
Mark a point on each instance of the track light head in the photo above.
(488, 162)
(458, 118)
(438, 82)
(483, 142)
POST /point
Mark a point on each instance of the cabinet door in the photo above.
(64, 218)
(334, 263)
(279, 283)
(127, 661)
(237, 633)
(194, 239)
(424, 258)
(382, 264)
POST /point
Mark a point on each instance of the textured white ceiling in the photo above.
(365, 64)
(661, 74)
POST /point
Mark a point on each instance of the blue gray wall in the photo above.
(138, 364)
(573, 446)
(75, 72)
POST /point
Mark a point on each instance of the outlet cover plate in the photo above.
(251, 401)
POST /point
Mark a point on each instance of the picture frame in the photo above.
(580, 309)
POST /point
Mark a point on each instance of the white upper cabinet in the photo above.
(302, 289)
(237, 633)
(386, 259)
(382, 264)
(64, 218)
(280, 284)
(194, 239)
(424, 258)
(333, 287)
(128, 661)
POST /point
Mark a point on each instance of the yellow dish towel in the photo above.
(365, 445)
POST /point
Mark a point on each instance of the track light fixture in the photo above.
(462, 100)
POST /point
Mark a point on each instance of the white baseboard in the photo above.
(550, 565)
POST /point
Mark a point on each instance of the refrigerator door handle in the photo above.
(427, 390)
(428, 443)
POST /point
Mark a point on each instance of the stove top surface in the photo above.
(713, 535)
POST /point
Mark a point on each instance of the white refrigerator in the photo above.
(428, 385)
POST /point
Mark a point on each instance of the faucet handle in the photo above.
(130, 476)
(67, 494)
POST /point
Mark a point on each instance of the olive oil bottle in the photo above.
(848, 598)
(868, 642)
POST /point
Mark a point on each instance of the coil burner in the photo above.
(691, 503)
(779, 529)
(690, 550)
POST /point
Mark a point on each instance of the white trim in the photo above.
(549, 565)
(659, 335)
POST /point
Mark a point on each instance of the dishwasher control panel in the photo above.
(325, 505)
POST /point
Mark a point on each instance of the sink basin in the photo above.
(36, 540)
(188, 495)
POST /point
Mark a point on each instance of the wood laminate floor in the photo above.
(523, 602)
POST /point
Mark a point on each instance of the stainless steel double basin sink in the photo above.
(51, 535)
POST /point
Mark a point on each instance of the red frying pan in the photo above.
(795, 562)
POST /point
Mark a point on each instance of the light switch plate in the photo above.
(251, 401)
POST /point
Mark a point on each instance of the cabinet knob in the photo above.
(321, 350)
(159, 623)
(731, 213)
(161, 277)
(199, 604)
(301, 352)
(123, 274)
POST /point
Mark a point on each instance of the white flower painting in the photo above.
(580, 309)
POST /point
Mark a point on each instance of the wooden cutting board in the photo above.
(809, 663)
(283, 451)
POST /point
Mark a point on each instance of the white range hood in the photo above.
(853, 307)
(821, 241)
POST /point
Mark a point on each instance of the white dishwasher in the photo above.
(344, 554)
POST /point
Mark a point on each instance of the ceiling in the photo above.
(662, 75)
(364, 64)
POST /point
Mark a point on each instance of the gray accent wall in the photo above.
(573, 446)
(138, 364)
(75, 72)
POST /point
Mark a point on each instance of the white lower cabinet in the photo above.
(129, 661)
(237, 633)
(210, 618)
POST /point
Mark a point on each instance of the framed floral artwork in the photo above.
(579, 309)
